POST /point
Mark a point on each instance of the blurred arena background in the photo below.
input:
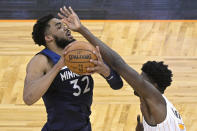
(139, 30)
(102, 9)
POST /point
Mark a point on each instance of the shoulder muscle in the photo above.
(36, 68)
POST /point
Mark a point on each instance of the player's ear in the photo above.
(48, 38)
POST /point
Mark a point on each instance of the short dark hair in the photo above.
(40, 28)
(159, 73)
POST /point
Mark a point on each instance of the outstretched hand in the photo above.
(70, 18)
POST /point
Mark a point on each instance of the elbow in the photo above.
(27, 100)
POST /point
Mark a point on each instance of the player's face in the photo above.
(61, 34)
(62, 43)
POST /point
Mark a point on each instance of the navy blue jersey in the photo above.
(69, 98)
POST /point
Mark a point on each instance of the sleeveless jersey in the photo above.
(173, 121)
(68, 99)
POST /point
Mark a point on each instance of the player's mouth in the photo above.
(68, 34)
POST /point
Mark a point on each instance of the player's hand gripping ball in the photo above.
(78, 55)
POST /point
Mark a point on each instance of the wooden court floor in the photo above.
(175, 43)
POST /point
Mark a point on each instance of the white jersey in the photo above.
(173, 121)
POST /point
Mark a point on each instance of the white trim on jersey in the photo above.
(65, 67)
(173, 121)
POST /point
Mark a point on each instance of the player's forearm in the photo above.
(112, 59)
(117, 63)
(34, 90)
(109, 56)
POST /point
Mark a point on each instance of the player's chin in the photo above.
(70, 38)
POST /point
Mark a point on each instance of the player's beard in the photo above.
(62, 43)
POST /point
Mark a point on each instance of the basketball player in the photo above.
(66, 95)
(158, 113)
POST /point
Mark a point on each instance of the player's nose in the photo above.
(65, 28)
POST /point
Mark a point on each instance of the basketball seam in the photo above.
(80, 49)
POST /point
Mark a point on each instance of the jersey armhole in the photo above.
(167, 114)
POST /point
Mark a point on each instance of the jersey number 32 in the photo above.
(76, 86)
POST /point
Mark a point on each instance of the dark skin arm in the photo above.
(153, 98)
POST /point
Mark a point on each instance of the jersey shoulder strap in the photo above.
(52, 55)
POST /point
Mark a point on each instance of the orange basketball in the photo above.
(78, 57)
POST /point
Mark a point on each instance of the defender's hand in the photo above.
(70, 18)
(100, 67)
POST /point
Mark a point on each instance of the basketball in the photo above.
(78, 56)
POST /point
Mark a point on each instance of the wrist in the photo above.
(106, 73)
(81, 29)
(58, 66)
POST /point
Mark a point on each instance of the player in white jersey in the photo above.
(172, 122)
(149, 85)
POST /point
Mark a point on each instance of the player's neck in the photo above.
(53, 47)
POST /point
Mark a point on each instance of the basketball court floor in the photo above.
(174, 42)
